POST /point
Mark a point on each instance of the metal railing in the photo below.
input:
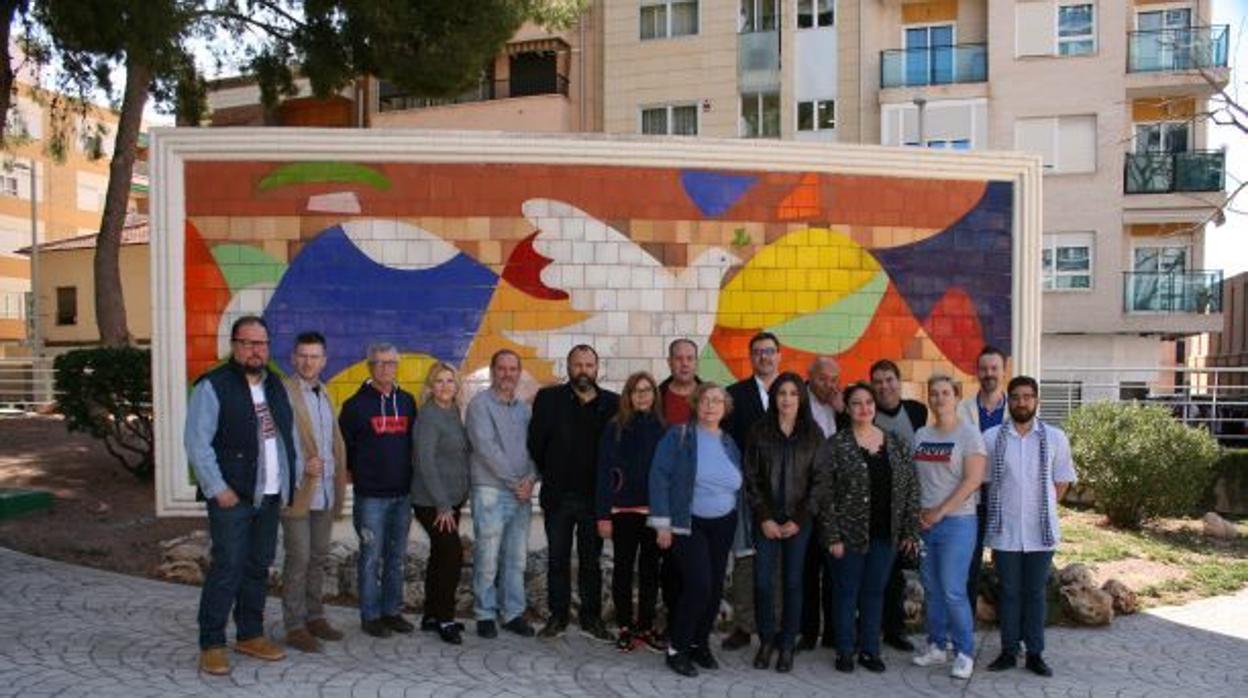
(1160, 172)
(1187, 48)
(1214, 398)
(484, 91)
(934, 65)
(1196, 292)
(26, 385)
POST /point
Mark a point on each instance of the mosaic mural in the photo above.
(453, 262)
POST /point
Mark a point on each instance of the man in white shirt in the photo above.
(1029, 469)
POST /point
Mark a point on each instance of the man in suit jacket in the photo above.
(749, 404)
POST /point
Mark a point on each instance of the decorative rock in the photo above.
(1087, 605)
(182, 571)
(1076, 574)
(1126, 601)
(1217, 527)
(912, 599)
(985, 611)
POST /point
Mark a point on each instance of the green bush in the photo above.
(1139, 462)
(107, 393)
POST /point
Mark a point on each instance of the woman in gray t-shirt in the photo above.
(949, 458)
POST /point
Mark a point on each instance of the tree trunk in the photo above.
(110, 305)
(8, 8)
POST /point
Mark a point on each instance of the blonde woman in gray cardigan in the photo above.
(866, 495)
(439, 489)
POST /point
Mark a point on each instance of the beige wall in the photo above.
(699, 68)
(539, 113)
(74, 268)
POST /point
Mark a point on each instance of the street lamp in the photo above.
(36, 335)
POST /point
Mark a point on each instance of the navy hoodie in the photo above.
(377, 430)
(624, 463)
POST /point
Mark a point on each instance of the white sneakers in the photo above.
(963, 667)
(934, 655)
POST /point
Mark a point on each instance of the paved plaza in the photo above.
(67, 630)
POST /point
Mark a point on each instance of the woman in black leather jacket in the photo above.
(779, 457)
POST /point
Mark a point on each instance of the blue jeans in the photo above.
(382, 524)
(948, 547)
(500, 524)
(244, 539)
(863, 578)
(1022, 608)
(791, 552)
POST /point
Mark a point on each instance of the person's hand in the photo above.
(771, 529)
(604, 529)
(227, 499)
(837, 550)
(908, 547)
(315, 466)
(930, 517)
(446, 521)
(790, 529)
(524, 490)
(664, 538)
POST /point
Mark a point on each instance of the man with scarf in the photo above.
(1029, 469)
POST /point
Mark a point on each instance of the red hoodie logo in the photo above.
(389, 424)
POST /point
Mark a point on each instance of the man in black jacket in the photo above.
(563, 441)
(749, 404)
(903, 417)
(377, 426)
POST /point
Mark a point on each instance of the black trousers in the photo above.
(702, 558)
(635, 549)
(894, 621)
(818, 591)
(569, 519)
(446, 556)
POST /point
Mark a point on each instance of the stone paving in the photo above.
(72, 631)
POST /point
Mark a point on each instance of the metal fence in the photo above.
(1211, 398)
(26, 385)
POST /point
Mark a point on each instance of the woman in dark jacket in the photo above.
(779, 457)
(623, 503)
(866, 495)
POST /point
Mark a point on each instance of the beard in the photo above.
(1022, 415)
(989, 385)
(582, 382)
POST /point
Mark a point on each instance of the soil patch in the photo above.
(101, 516)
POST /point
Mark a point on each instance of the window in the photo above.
(1159, 279)
(1163, 137)
(670, 120)
(91, 191)
(758, 16)
(929, 55)
(93, 139)
(661, 19)
(816, 13)
(25, 119)
(8, 184)
(945, 143)
(1076, 30)
(67, 305)
(818, 115)
(760, 115)
(1067, 261)
(1067, 143)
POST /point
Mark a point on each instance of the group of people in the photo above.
(818, 497)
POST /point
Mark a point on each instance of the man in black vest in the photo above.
(239, 441)
(563, 442)
(749, 404)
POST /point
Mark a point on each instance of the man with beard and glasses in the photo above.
(1029, 469)
(563, 442)
(239, 442)
(985, 409)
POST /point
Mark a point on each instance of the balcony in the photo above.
(1170, 50)
(758, 61)
(1173, 292)
(1162, 173)
(391, 99)
(934, 65)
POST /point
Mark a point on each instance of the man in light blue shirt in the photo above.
(1029, 469)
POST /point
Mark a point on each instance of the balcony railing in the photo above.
(1159, 172)
(484, 91)
(933, 65)
(1189, 48)
(1197, 292)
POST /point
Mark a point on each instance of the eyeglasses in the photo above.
(251, 343)
(764, 351)
(385, 364)
(711, 399)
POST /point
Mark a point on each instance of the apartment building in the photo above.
(542, 81)
(1112, 94)
(68, 194)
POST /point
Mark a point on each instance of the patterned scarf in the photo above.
(998, 472)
